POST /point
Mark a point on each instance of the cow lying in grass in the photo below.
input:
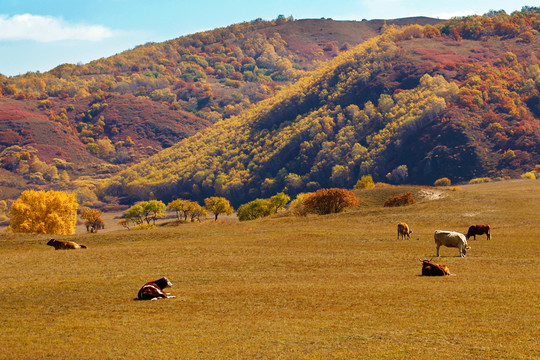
(433, 269)
(451, 239)
(153, 290)
(64, 245)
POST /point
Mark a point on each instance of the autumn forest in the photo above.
(260, 108)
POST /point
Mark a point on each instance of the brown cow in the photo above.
(64, 245)
(153, 290)
(479, 230)
(403, 230)
(433, 269)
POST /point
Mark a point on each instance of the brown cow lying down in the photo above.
(64, 245)
(479, 230)
(153, 290)
(432, 269)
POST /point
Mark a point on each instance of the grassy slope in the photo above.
(338, 286)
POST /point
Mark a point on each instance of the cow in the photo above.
(451, 239)
(65, 245)
(153, 290)
(433, 269)
(479, 230)
(403, 230)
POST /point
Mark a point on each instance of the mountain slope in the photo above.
(425, 97)
(124, 108)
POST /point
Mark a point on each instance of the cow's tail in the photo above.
(83, 246)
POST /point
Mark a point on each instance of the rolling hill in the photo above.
(459, 99)
(121, 109)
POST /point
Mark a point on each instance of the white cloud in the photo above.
(48, 28)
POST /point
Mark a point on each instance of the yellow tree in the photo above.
(93, 218)
(51, 212)
(218, 205)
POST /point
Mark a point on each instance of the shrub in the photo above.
(400, 200)
(528, 175)
(480, 180)
(366, 182)
(297, 205)
(328, 201)
(455, 188)
(442, 182)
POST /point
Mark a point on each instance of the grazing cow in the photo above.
(451, 239)
(403, 230)
(479, 230)
(153, 290)
(64, 245)
(433, 269)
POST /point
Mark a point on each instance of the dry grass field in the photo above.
(321, 287)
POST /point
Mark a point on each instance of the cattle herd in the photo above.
(448, 239)
(153, 290)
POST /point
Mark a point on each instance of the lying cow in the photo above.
(153, 290)
(479, 230)
(433, 269)
(451, 239)
(65, 245)
(403, 230)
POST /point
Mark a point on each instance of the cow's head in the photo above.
(51, 242)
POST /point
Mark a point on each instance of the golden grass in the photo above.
(320, 287)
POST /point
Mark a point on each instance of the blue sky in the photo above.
(37, 35)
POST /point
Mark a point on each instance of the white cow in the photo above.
(451, 239)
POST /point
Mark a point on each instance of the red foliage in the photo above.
(400, 200)
(329, 201)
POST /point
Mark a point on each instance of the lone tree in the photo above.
(51, 212)
(218, 205)
(93, 222)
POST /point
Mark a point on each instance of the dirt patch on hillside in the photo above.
(431, 194)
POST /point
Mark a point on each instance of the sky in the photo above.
(38, 35)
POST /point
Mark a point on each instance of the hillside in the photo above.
(414, 104)
(121, 109)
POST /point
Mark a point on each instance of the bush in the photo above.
(329, 201)
(455, 188)
(297, 205)
(400, 200)
(366, 182)
(529, 175)
(480, 180)
(442, 182)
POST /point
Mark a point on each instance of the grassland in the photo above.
(321, 287)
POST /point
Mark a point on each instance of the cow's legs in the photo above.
(438, 246)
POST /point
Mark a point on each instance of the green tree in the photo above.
(279, 201)
(145, 211)
(255, 209)
(218, 205)
(51, 212)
